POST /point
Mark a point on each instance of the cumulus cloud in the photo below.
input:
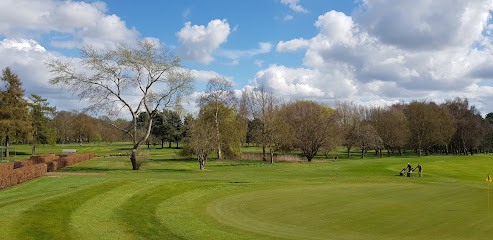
(387, 51)
(200, 41)
(293, 4)
(292, 45)
(425, 24)
(26, 58)
(78, 22)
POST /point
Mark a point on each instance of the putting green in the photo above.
(360, 211)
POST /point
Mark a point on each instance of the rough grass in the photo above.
(250, 199)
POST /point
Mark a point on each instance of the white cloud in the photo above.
(199, 41)
(26, 58)
(24, 45)
(288, 18)
(388, 51)
(292, 45)
(78, 22)
(264, 47)
(293, 4)
(425, 24)
(204, 76)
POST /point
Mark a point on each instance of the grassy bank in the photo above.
(249, 199)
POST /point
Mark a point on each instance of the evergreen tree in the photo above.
(15, 120)
(42, 114)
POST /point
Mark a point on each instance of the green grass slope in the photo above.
(249, 199)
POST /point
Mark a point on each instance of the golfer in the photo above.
(420, 170)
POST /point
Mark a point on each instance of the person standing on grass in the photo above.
(420, 170)
(409, 170)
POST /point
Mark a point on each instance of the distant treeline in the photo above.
(225, 123)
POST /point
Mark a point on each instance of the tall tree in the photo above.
(426, 122)
(64, 125)
(42, 114)
(168, 127)
(312, 125)
(262, 106)
(468, 126)
(350, 117)
(391, 126)
(114, 79)
(15, 120)
(231, 133)
(217, 97)
(201, 139)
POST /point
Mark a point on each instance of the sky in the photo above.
(372, 52)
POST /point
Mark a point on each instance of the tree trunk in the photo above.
(162, 143)
(348, 152)
(133, 158)
(263, 153)
(271, 156)
(33, 152)
(218, 136)
(362, 153)
(177, 144)
(7, 140)
(201, 162)
(169, 144)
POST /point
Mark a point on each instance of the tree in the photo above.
(231, 133)
(217, 97)
(427, 122)
(168, 127)
(202, 140)
(262, 106)
(15, 120)
(84, 128)
(349, 118)
(391, 126)
(468, 126)
(64, 126)
(312, 125)
(366, 137)
(44, 131)
(114, 79)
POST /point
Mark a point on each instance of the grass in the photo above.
(250, 199)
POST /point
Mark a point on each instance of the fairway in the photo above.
(250, 199)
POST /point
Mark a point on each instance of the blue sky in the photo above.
(373, 52)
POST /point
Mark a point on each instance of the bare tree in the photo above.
(425, 122)
(349, 118)
(311, 124)
(115, 79)
(468, 128)
(263, 106)
(218, 94)
(391, 126)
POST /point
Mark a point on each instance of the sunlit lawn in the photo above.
(250, 199)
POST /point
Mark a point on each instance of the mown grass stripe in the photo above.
(139, 212)
(50, 219)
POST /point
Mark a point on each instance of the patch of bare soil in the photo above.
(76, 174)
